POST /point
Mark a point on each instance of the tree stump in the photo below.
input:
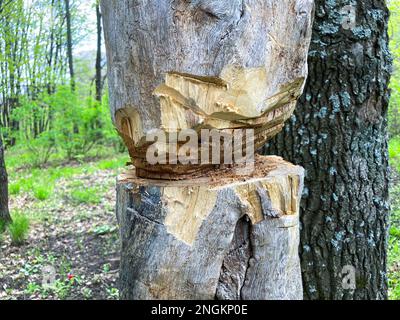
(216, 237)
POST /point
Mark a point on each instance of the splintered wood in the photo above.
(272, 191)
(236, 100)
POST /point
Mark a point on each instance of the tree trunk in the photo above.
(69, 44)
(225, 65)
(177, 237)
(4, 212)
(338, 133)
(99, 84)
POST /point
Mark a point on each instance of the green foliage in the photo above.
(86, 196)
(112, 293)
(394, 153)
(394, 246)
(102, 230)
(42, 193)
(394, 33)
(19, 228)
(77, 125)
(394, 264)
(14, 189)
(111, 164)
(3, 227)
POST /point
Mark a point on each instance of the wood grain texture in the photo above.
(147, 39)
(193, 64)
(195, 240)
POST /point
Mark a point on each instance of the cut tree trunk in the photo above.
(226, 65)
(208, 238)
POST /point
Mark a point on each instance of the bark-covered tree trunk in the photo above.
(69, 44)
(338, 133)
(4, 212)
(99, 84)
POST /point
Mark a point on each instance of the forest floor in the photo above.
(73, 238)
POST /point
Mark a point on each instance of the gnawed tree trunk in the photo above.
(177, 236)
(207, 64)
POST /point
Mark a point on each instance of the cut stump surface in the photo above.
(222, 236)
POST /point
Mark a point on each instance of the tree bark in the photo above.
(98, 81)
(177, 237)
(69, 44)
(4, 212)
(338, 133)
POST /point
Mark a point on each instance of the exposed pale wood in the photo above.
(181, 239)
(222, 64)
(215, 64)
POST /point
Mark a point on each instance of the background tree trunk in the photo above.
(69, 44)
(4, 212)
(338, 133)
(98, 81)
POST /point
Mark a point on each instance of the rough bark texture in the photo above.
(98, 78)
(177, 236)
(338, 133)
(4, 212)
(69, 44)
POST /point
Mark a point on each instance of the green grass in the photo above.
(394, 239)
(42, 193)
(394, 153)
(19, 228)
(3, 227)
(104, 229)
(86, 196)
(40, 182)
(394, 263)
(112, 163)
(14, 188)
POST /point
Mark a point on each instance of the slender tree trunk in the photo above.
(99, 84)
(4, 212)
(339, 134)
(69, 44)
